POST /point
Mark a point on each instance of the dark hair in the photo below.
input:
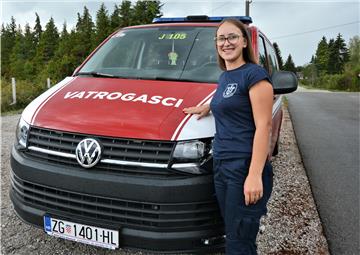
(248, 52)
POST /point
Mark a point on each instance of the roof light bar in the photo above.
(202, 18)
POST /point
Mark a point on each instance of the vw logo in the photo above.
(88, 152)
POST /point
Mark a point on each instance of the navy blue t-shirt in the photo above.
(231, 107)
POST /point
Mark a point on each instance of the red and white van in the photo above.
(107, 157)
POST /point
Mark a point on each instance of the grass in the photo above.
(285, 101)
(11, 112)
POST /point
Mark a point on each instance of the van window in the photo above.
(272, 57)
(164, 53)
(262, 53)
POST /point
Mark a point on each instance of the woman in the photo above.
(242, 108)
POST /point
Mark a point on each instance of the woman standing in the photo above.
(242, 108)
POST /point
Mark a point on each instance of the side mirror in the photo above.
(284, 82)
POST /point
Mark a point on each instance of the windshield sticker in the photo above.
(130, 97)
(173, 36)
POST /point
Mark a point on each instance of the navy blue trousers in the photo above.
(241, 221)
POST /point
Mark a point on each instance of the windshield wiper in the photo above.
(162, 78)
(96, 74)
(106, 75)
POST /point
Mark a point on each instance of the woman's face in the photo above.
(230, 43)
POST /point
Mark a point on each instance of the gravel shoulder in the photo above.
(292, 225)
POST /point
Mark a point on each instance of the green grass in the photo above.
(11, 112)
(285, 101)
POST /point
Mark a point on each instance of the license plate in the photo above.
(96, 236)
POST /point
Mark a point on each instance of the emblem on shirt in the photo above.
(230, 90)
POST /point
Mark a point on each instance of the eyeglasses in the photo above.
(232, 38)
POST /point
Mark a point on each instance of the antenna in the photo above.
(247, 7)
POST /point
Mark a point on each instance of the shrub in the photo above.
(25, 93)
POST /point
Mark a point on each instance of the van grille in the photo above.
(130, 150)
(109, 210)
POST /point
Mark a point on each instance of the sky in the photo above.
(296, 26)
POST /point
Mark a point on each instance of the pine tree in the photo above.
(102, 28)
(322, 56)
(278, 55)
(115, 19)
(8, 35)
(84, 34)
(64, 62)
(289, 65)
(29, 53)
(146, 11)
(126, 13)
(29, 43)
(17, 56)
(153, 10)
(49, 40)
(64, 33)
(333, 62)
(12, 26)
(312, 59)
(343, 53)
(37, 29)
(45, 51)
(139, 13)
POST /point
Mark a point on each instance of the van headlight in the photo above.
(189, 150)
(189, 156)
(22, 132)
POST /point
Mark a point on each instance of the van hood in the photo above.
(143, 109)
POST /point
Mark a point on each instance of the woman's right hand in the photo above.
(202, 110)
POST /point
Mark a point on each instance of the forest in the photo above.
(32, 55)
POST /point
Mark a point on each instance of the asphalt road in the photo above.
(327, 130)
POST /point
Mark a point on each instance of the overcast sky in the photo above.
(297, 26)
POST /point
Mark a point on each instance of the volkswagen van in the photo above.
(107, 157)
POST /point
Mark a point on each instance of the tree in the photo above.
(48, 44)
(29, 43)
(37, 29)
(126, 13)
(146, 11)
(312, 61)
(8, 35)
(278, 55)
(342, 51)
(102, 28)
(48, 41)
(17, 56)
(289, 65)
(333, 62)
(115, 19)
(84, 33)
(310, 74)
(64, 33)
(354, 52)
(64, 62)
(322, 56)
(29, 49)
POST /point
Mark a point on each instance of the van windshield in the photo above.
(162, 53)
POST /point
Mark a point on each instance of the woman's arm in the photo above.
(261, 97)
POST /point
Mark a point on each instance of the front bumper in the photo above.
(175, 215)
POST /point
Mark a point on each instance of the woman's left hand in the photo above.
(253, 189)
